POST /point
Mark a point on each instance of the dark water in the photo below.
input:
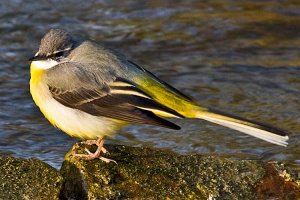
(242, 58)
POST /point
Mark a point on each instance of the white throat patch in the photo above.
(44, 64)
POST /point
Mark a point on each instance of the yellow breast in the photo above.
(38, 89)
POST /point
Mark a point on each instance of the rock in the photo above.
(28, 179)
(142, 173)
(279, 184)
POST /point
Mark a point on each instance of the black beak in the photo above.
(37, 57)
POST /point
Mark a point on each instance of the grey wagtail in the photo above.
(89, 92)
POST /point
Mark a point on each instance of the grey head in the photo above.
(56, 45)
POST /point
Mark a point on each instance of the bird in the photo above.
(90, 91)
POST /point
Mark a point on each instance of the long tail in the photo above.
(256, 129)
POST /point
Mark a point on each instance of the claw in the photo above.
(86, 150)
(104, 151)
(90, 156)
(107, 160)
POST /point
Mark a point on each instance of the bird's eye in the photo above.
(59, 54)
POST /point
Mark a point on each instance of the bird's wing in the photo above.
(99, 92)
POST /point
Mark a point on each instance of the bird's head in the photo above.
(55, 46)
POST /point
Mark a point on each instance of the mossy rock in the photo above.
(28, 179)
(142, 173)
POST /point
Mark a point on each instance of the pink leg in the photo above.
(95, 142)
(90, 156)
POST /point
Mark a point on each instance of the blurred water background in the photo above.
(240, 57)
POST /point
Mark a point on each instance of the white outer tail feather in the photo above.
(261, 134)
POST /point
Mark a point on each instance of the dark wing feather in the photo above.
(125, 112)
(88, 92)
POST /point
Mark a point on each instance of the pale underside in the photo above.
(72, 121)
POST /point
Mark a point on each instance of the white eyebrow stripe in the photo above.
(67, 49)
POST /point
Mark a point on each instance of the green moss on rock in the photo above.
(28, 179)
(143, 173)
(154, 174)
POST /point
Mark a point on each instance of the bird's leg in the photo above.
(90, 156)
(95, 142)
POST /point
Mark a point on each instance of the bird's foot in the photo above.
(97, 143)
(90, 156)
